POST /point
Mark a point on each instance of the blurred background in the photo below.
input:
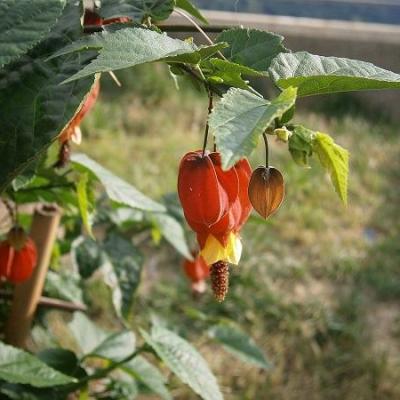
(319, 284)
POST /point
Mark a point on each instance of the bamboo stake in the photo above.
(27, 294)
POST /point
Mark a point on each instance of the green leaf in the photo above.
(18, 366)
(149, 375)
(23, 24)
(25, 178)
(173, 232)
(335, 160)
(239, 344)
(240, 118)
(95, 342)
(87, 335)
(138, 46)
(117, 189)
(83, 202)
(184, 361)
(122, 387)
(313, 74)
(34, 107)
(138, 10)
(300, 145)
(251, 47)
(126, 262)
(63, 286)
(187, 6)
(87, 255)
(62, 360)
(115, 347)
(228, 73)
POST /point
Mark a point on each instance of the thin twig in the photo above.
(50, 302)
(266, 149)
(189, 28)
(210, 107)
(190, 71)
(10, 209)
(47, 187)
(198, 27)
(103, 372)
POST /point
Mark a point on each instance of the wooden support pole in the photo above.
(44, 228)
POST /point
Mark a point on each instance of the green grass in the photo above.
(319, 284)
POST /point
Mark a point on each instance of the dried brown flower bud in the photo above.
(266, 190)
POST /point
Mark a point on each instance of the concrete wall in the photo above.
(377, 43)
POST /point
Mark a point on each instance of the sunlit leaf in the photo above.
(251, 47)
(335, 159)
(240, 118)
(313, 74)
(138, 46)
(117, 189)
(83, 202)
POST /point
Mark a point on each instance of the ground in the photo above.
(319, 284)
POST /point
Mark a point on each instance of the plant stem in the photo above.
(47, 187)
(266, 149)
(101, 373)
(190, 29)
(191, 72)
(197, 26)
(210, 107)
(50, 302)
(10, 210)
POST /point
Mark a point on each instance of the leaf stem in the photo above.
(197, 26)
(266, 149)
(201, 79)
(210, 108)
(47, 187)
(11, 210)
(101, 373)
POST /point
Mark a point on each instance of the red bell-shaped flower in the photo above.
(215, 203)
(197, 271)
(206, 191)
(240, 210)
(18, 256)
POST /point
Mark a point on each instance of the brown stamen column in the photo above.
(219, 273)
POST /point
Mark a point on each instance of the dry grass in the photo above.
(319, 285)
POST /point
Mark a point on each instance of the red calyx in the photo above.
(214, 201)
(205, 191)
(18, 256)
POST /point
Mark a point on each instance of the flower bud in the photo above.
(283, 134)
(266, 190)
(197, 272)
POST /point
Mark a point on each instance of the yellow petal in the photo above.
(214, 251)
